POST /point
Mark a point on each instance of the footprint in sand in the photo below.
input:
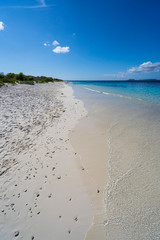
(50, 195)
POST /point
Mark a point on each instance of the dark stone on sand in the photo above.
(38, 195)
(16, 233)
(32, 237)
(98, 191)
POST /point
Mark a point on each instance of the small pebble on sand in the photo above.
(16, 233)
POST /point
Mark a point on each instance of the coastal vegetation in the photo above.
(12, 78)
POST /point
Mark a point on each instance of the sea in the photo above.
(132, 117)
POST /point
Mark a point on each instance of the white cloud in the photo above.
(46, 44)
(60, 49)
(55, 43)
(1, 26)
(146, 67)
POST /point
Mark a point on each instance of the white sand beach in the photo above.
(71, 173)
(42, 193)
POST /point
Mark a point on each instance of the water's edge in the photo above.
(132, 190)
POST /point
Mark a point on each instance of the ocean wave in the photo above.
(115, 94)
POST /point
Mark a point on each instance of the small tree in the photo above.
(11, 75)
(20, 76)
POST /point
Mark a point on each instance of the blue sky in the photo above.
(104, 39)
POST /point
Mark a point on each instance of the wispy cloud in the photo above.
(119, 75)
(146, 67)
(1, 26)
(55, 43)
(42, 4)
(61, 49)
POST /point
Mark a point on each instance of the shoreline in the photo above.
(89, 139)
(131, 196)
(42, 193)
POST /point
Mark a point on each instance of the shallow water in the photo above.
(132, 194)
(146, 91)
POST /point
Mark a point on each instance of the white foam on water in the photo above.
(114, 94)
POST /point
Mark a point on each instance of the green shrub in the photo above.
(1, 83)
(10, 75)
(20, 76)
(27, 82)
(30, 78)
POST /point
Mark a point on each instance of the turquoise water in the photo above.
(131, 113)
(139, 90)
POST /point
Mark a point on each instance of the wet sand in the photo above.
(89, 140)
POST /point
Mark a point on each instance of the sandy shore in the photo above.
(89, 140)
(42, 195)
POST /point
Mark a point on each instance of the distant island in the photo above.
(20, 78)
(143, 80)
